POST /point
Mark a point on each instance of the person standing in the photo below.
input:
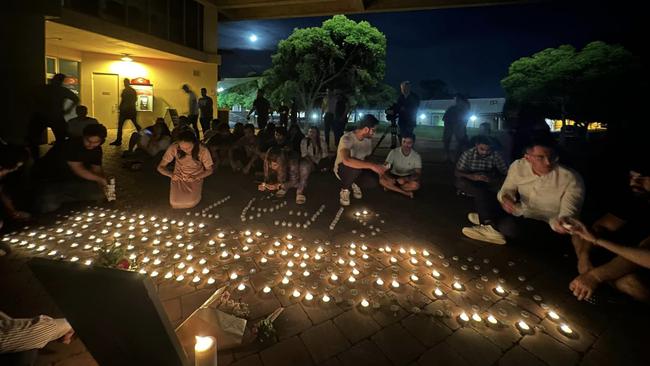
(127, 111)
(262, 107)
(207, 112)
(293, 115)
(192, 108)
(50, 113)
(328, 108)
(407, 109)
(284, 114)
(340, 118)
(455, 124)
(76, 125)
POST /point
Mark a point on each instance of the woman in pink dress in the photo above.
(193, 164)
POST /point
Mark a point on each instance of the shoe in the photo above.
(484, 233)
(356, 192)
(344, 197)
(301, 199)
(280, 193)
(116, 143)
(473, 218)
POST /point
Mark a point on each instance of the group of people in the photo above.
(538, 199)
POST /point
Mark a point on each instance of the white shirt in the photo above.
(359, 149)
(546, 198)
(401, 164)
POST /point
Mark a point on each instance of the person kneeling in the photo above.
(71, 171)
(192, 164)
(405, 168)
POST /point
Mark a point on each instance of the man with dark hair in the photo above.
(480, 170)
(50, 112)
(207, 112)
(262, 108)
(405, 168)
(127, 111)
(455, 120)
(351, 167)
(537, 193)
(72, 171)
(76, 125)
(407, 109)
(192, 109)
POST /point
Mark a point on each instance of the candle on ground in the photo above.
(205, 351)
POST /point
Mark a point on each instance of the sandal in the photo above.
(301, 199)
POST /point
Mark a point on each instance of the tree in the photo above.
(597, 83)
(341, 54)
(242, 94)
(434, 89)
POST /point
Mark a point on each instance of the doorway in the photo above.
(105, 98)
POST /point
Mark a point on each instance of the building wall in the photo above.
(166, 76)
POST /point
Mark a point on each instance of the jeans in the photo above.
(122, 118)
(52, 195)
(485, 197)
(299, 171)
(364, 178)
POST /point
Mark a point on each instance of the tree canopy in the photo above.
(596, 83)
(341, 54)
(242, 94)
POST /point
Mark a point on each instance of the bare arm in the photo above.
(360, 164)
(162, 169)
(638, 255)
(88, 174)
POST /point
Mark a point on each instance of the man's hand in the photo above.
(509, 204)
(261, 187)
(480, 178)
(584, 285)
(379, 169)
(579, 229)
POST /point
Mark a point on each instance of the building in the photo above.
(97, 43)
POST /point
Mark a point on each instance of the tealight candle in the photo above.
(564, 328)
(523, 326)
(365, 303)
(438, 292)
(205, 271)
(202, 261)
(428, 263)
(270, 252)
(334, 277)
(326, 298)
(154, 274)
(247, 232)
(258, 234)
(296, 293)
(499, 290)
(241, 287)
(263, 260)
(276, 243)
(190, 270)
(553, 315)
(285, 280)
(284, 253)
(317, 257)
(236, 256)
(288, 273)
(425, 253)
(196, 279)
(306, 273)
(319, 249)
(266, 289)
(181, 265)
(435, 273)
(290, 264)
(233, 276)
(414, 278)
(168, 275)
(180, 278)
(414, 261)
(458, 286)
(303, 264)
(249, 240)
(351, 279)
(352, 252)
(355, 272)
(289, 236)
(393, 260)
(464, 317)
(289, 246)
(402, 250)
(492, 320)
(379, 281)
(221, 235)
(309, 296)
(476, 317)
(387, 249)
(210, 281)
(395, 284)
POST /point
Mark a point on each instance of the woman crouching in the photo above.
(192, 164)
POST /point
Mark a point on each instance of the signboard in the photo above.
(144, 92)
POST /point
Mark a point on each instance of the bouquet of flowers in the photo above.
(114, 258)
(264, 329)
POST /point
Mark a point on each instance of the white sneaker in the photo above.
(356, 191)
(344, 197)
(473, 218)
(484, 233)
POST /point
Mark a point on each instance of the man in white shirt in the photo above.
(350, 165)
(537, 194)
(405, 166)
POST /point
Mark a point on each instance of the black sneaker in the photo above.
(116, 143)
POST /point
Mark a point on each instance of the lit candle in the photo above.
(285, 280)
(196, 279)
(303, 264)
(236, 256)
(233, 276)
(476, 317)
(181, 265)
(402, 250)
(334, 277)
(438, 292)
(352, 279)
(564, 328)
(296, 293)
(309, 296)
(74, 259)
(387, 249)
(365, 303)
(326, 298)
(263, 260)
(247, 232)
(395, 284)
(180, 278)
(414, 261)
(317, 257)
(393, 260)
(458, 286)
(288, 273)
(289, 236)
(289, 246)
(306, 273)
(357, 214)
(190, 270)
(249, 240)
(210, 281)
(365, 212)
(258, 234)
(290, 264)
(492, 320)
(523, 326)
(414, 278)
(499, 290)
(205, 351)
(553, 315)
(168, 275)
(276, 243)
(241, 287)
(464, 317)
(205, 271)
(425, 253)
(435, 273)
(319, 250)
(379, 281)
(221, 235)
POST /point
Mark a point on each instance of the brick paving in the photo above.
(401, 326)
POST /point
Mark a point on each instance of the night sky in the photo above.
(468, 48)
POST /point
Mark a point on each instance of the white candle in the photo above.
(414, 278)
(210, 281)
(334, 277)
(296, 293)
(326, 298)
(476, 317)
(309, 296)
(205, 351)
(241, 287)
(285, 281)
(523, 326)
(566, 329)
(499, 290)
(266, 289)
(365, 303)
(435, 273)
(395, 284)
(352, 279)
(438, 292)
(458, 286)
(233, 276)
(491, 319)
(463, 316)
(553, 315)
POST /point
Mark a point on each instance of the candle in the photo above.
(464, 317)
(210, 281)
(289, 236)
(205, 351)
(435, 273)
(438, 292)
(309, 296)
(221, 235)
(319, 250)
(285, 280)
(303, 264)
(523, 326)
(326, 298)
(241, 287)
(499, 290)
(247, 232)
(236, 256)
(334, 277)
(352, 279)
(317, 257)
(566, 329)
(258, 234)
(476, 317)
(276, 243)
(266, 289)
(205, 271)
(402, 250)
(180, 278)
(425, 253)
(168, 275)
(296, 293)
(379, 282)
(553, 315)
(492, 320)
(414, 261)
(233, 276)
(290, 264)
(414, 278)
(288, 273)
(306, 273)
(395, 284)
(196, 279)
(393, 260)
(263, 260)
(365, 303)
(458, 286)
(74, 259)
(387, 249)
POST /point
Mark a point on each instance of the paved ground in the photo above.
(408, 325)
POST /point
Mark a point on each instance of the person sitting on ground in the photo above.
(537, 193)
(237, 131)
(628, 224)
(220, 145)
(151, 140)
(77, 124)
(281, 140)
(294, 137)
(479, 169)
(405, 167)
(72, 171)
(314, 149)
(207, 135)
(282, 172)
(350, 166)
(192, 164)
(11, 159)
(20, 339)
(244, 152)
